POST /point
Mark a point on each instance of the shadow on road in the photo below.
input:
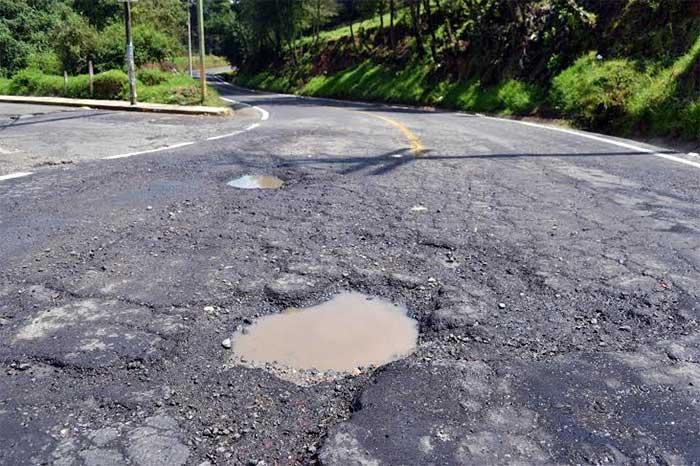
(16, 121)
(389, 161)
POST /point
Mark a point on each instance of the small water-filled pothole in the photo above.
(256, 182)
(350, 331)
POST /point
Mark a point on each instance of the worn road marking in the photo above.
(222, 136)
(264, 114)
(417, 147)
(5, 151)
(594, 137)
(12, 176)
(149, 151)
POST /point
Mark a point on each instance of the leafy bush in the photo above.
(110, 84)
(13, 52)
(518, 98)
(179, 90)
(46, 62)
(74, 41)
(595, 92)
(34, 82)
(690, 120)
(152, 77)
(79, 87)
(5, 86)
(150, 45)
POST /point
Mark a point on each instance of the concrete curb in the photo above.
(118, 105)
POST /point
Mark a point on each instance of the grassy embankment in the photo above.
(153, 86)
(210, 61)
(621, 95)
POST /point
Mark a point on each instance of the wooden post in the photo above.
(65, 84)
(90, 74)
(189, 38)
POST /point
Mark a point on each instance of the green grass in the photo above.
(663, 102)
(179, 89)
(210, 61)
(344, 31)
(413, 85)
(152, 86)
(630, 97)
(619, 95)
(595, 92)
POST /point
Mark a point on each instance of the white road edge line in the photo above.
(12, 176)
(214, 138)
(526, 123)
(264, 114)
(253, 126)
(149, 151)
(599, 139)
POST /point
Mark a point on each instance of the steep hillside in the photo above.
(628, 66)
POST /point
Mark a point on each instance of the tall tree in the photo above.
(392, 15)
(415, 7)
(433, 39)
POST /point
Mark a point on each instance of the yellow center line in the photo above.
(417, 147)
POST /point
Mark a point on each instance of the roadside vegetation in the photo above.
(153, 86)
(210, 61)
(628, 67)
(42, 39)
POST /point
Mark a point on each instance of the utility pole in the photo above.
(202, 72)
(189, 36)
(130, 53)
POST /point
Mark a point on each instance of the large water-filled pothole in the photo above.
(348, 332)
(256, 182)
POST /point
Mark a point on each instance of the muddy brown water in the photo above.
(256, 182)
(349, 331)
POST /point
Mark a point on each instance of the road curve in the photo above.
(555, 276)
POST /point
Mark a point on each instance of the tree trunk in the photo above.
(433, 40)
(415, 14)
(317, 23)
(392, 13)
(381, 16)
(448, 26)
(352, 18)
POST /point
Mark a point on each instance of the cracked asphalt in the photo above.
(555, 279)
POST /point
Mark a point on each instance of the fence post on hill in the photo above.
(189, 37)
(90, 78)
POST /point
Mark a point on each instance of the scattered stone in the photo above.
(23, 366)
(208, 308)
(226, 343)
(625, 328)
(452, 317)
(501, 305)
(289, 285)
(406, 281)
(594, 321)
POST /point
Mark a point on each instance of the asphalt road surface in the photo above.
(555, 277)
